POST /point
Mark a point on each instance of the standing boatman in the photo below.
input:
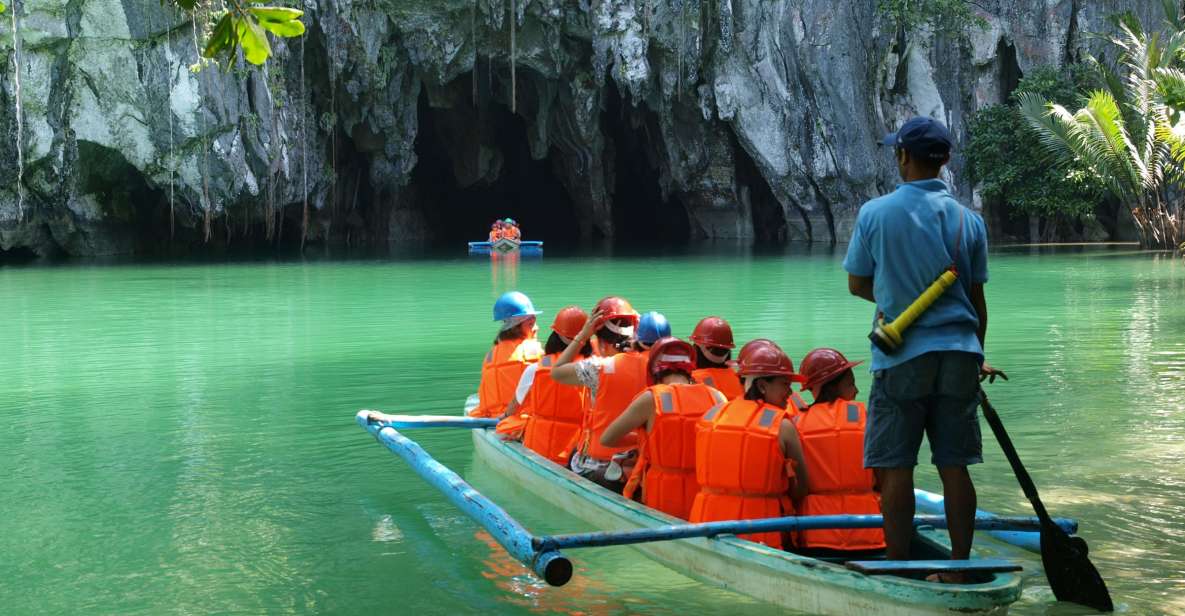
(901, 243)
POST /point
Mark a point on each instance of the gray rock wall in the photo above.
(759, 117)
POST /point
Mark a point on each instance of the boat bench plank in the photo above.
(979, 565)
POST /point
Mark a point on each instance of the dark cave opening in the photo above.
(1009, 73)
(474, 165)
(17, 255)
(769, 219)
(640, 213)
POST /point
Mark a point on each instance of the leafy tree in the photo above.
(242, 25)
(1009, 165)
(949, 17)
(1128, 133)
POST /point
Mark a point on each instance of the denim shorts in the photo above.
(935, 393)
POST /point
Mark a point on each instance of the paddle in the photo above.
(1070, 573)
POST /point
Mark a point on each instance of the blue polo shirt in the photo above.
(904, 240)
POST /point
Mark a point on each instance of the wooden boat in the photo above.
(506, 246)
(788, 580)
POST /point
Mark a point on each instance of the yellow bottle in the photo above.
(888, 336)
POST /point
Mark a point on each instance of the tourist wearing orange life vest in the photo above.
(713, 350)
(496, 231)
(748, 459)
(651, 327)
(613, 379)
(514, 348)
(665, 416)
(554, 412)
(510, 229)
(832, 434)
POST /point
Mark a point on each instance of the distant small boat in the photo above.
(505, 246)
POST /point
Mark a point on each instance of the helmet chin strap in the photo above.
(513, 322)
(627, 331)
(719, 359)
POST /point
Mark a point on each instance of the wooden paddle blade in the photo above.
(1070, 573)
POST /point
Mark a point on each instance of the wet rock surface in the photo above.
(711, 118)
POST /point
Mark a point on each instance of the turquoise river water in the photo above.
(179, 439)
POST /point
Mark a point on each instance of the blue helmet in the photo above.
(652, 326)
(513, 304)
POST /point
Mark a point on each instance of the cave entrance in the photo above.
(474, 165)
(640, 211)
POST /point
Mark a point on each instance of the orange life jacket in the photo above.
(666, 452)
(832, 436)
(622, 378)
(797, 404)
(724, 379)
(500, 372)
(740, 466)
(556, 412)
(512, 233)
(495, 235)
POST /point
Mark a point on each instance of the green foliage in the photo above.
(1129, 133)
(242, 26)
(1012, 167)
(947, 17)
(2, 7)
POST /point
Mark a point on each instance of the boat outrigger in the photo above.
(711, 552)
(506, 246)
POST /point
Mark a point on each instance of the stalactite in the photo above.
(473, 37)
(20, 120)
(172, 157)
(205, 196)
(726, 25)
(304, 160)
(513, 77)
(682, 44)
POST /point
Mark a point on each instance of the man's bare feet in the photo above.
(947, 578)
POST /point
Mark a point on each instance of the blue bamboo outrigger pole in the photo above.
(542, 554)
(548, 564)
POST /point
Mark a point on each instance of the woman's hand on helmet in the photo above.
(593, 323)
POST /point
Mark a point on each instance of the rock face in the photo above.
(748, 118)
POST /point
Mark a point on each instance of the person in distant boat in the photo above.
(664, 417)
(713, 350)
(495, 231)
(613, 379)
(553, 412)
(899, 244)
(748, 458)
(832, 434)
(514, 348)
(651, 327)
(510, 230)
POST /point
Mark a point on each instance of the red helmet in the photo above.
(614, 307)
(763, 357)
(713, 332)
(569, 321)
(821, 366)
(670, 354)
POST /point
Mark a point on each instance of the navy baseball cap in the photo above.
(922, 136)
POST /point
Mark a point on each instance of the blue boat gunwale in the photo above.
(1002, 589)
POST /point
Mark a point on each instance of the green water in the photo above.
(179, 439)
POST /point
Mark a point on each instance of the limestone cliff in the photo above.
(751, 117)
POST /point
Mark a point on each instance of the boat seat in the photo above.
(897, 567)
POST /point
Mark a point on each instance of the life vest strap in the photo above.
(738, 493)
